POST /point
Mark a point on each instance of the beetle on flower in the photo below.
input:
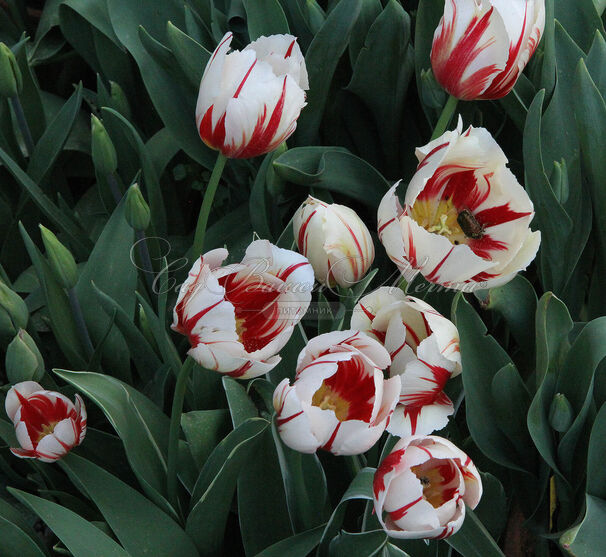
(238, 317)
(339, 401)
(481, 47)
(424, 348)
(249, 100)
(47, 424)
(465, 219)
(421, 488)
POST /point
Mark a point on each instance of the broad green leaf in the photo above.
(81, 537)
(215, 487)
(596, 471)
(204, 429)
(30, 96)
(364, 543)
(142, 528)
(299, 545)
(595, 62)
(473, 540)
(333, 169)
(492, 508)
(321, 60)
(580, 19)
(52, 141)
(111, 269)
(482, 358)
(369, 11)
(265, 17)
(587, 539)
(241, 407)
(18, 537)
(191, 56)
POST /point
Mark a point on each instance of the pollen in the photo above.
(442, 217)
(326, 398)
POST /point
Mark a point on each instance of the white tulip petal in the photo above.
(12, 403)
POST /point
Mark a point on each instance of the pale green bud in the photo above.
(561, 413)
(60, 259)
(136, 208)
(23, 359)
(103, 150)
(13, 312)
(10, 74)
(119, 100)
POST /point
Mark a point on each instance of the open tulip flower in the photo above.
(424, 348)
(482, 46)
(421, 488)
(249, 100)
(465, 219)
(238, 317)
(335, 240)
(339, 401)
(47, 424)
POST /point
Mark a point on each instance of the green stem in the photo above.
(175, 428)
(80, 323)
(207, 202)
(23, 125)
(445, 117)
(114, 187)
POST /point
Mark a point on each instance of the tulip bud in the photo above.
(561, 413)
(61, 260)
(10, 74)
(119, 100)
(13, 311)
(104, 153)
(432, 93)
(23, 359)
(136, 208)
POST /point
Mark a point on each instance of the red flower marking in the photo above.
(368, 314)
(401, 512)
(282, 421)
(289, 50)
(329, 443)
(241, 370)
(302, 237)
(433, 276)
(385, 225)
(389, 463)
(431, 153)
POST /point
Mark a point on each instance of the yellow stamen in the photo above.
(327, 399)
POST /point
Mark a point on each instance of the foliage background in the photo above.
(137, 66)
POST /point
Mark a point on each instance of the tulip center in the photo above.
(328, 399)
(443, 217)
(436, 477)
(46, 429)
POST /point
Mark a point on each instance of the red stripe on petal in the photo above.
(290, 47)
(499, 214)
(401, 512)
(282, 421)
(244, 79)
(388, 464)
(329, 443)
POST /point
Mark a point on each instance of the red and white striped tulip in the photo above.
(481, 47)
(339, 401)
(421, 488)
(424, 348)
(249, 100)
(465, 219)
(238, 317)
(335, 240)
(47, 424)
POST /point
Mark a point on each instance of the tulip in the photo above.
(465, 220)
(250, 100)
(47, 424)
(238, 317)
(335, 240)
(421, 488)
(339, 401)
(424, 348)
(481, 47)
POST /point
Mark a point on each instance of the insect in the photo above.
(469, 225)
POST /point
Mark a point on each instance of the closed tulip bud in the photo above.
(23, 359)
(136, 208)
(481, 46)
(561, 413)
(10, 74)
(119, 100)
(335, 240)
(422, 487)
(47, 424)
(249, 100)
(432, 94)
(13, 312)
(465, 220)
(60, 258)
(103, 150)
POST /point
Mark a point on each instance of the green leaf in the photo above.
(580, 19)
(586, 539)
(30, 96)
(18, 537)
(241, 407)
(473, 540)
(299, 545)
(140, 424)
(596, 471)
(111, 269)
(321, 60)
(204, 429)
(191, 56)
(482, 358)
(265, 17)
(369, 11)
(364, 543)
(81, 537)
(492, 508)
(215, 487)
(142, 528)
(52, 141)
(334, 169)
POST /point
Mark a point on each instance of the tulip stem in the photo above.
(23, 125)
(445, 117)
(175, 428)
(207, 202)
(113, 186)
(80, 322)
